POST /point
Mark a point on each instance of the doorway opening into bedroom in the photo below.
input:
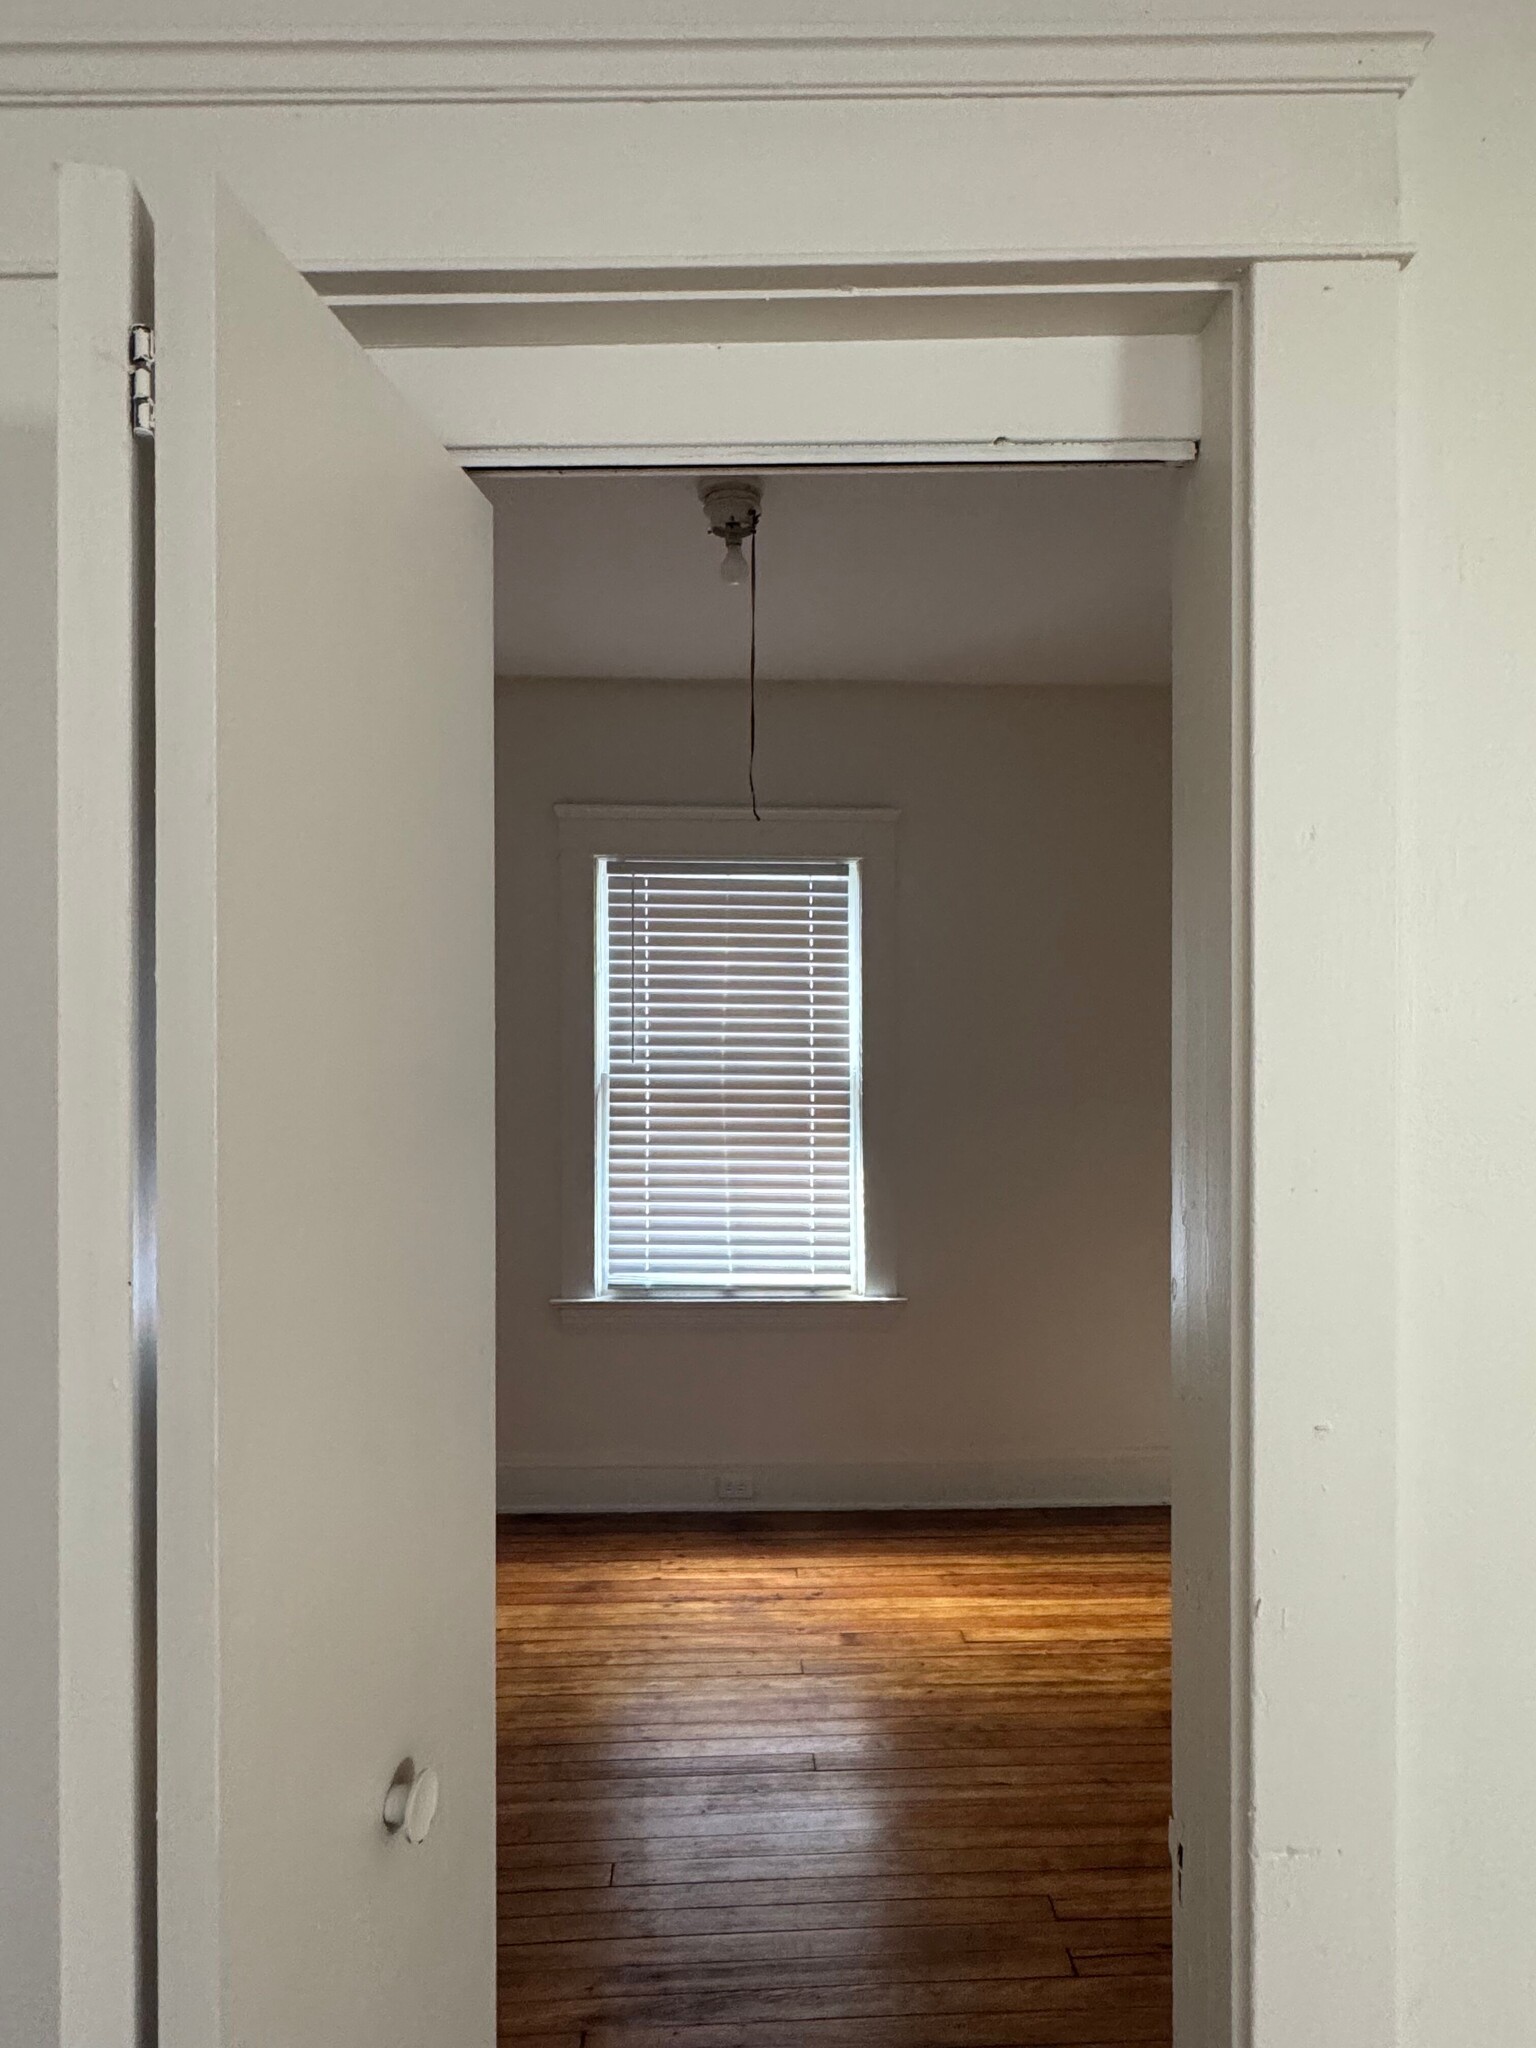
(833, 1611)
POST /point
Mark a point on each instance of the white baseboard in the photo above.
(1131, 1479)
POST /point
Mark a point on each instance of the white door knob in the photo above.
(410, 1805)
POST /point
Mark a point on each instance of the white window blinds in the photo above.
(728, 1076)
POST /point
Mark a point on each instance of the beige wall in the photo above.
(1033, 935)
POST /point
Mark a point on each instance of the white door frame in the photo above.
(958, 398)
(1265, 164)
(1284, 1754)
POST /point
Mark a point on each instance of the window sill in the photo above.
(740, 1312)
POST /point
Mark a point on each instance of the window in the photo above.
(728, 1077)
(728, 1056)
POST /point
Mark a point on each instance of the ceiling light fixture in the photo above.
(732, 510)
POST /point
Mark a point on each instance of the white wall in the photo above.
(1467, 1822)
(1031, 1360)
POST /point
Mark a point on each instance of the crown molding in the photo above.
(433, 69)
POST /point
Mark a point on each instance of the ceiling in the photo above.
(980, 576)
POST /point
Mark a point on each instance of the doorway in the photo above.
(833, 1628)
(1287, 340)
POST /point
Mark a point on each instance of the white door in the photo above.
(325, 1211)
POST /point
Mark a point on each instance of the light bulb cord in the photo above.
(752, 678)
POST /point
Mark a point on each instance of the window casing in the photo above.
(595, 842)
(728, 1070)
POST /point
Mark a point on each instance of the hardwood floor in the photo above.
(834, 1781)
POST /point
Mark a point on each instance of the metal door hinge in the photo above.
(141, 382)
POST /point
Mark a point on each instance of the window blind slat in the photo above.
(728, 1089)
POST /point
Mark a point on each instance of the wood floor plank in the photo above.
(861, 1781)
(1114, 2010)
(992, 2030)
(1005, 1910)
(1028, 1924)
(831, 1897)
(832, 1959)
(1112, 1894)
(704, 1791)
(932, 1823)
(1157, 1963)
(1145, 1934)
(1022, 1849)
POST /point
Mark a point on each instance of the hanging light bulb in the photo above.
(733, 568)
(731, 510)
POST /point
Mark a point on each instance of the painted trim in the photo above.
(762, 1313)
(105, 934)
(779, 455)
(436, 68)
(1126, 1479)
(585, 832)
(996, 398)
(1320, 1599)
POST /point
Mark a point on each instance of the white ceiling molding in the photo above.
(436, 68)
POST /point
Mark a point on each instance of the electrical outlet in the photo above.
(735, 1486)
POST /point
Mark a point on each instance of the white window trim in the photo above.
(588, 832)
